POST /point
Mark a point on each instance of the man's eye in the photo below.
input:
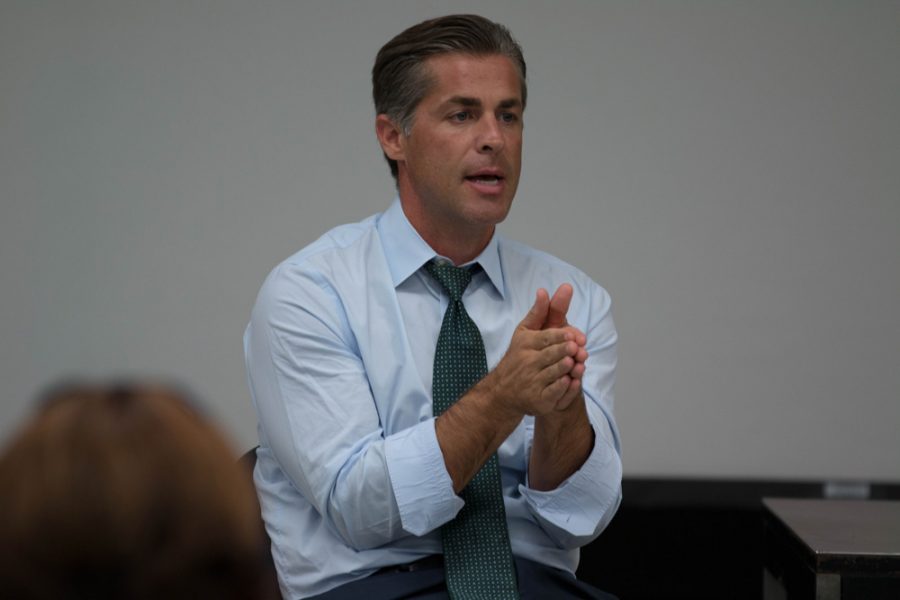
(461, 116)
(509, 117)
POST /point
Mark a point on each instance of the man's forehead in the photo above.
(462, 78)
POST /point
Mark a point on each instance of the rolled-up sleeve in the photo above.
(421, 484)
(582, 506)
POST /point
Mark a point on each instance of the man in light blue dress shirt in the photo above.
(355, 474)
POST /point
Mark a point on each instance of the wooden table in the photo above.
(831, 549)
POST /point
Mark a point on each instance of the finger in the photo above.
(537, 314)
(555, 391)
(577, 334)
(556, 352)
(582, 355)
(570, 395)
(557, 370)
(577, 371)
(551, 337)
(559, 306)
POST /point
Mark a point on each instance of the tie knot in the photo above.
(453, 279)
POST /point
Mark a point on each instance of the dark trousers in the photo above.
(535, 581)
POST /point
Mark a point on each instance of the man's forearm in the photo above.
(471, 431)
(563, 440)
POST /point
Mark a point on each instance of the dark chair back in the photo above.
(270, 577)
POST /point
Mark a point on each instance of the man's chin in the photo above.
(490, 216)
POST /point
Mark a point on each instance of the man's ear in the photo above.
(391, 138)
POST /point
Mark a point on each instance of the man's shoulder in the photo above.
(340, 256)
(341, 240)
(522, 258)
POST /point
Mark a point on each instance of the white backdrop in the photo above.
(729, 171)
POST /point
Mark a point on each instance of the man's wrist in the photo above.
(556, 421)
(496, 399)
(563, 441)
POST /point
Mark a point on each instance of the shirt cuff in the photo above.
(581, 504)
(421, 484)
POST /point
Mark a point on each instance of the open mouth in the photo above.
(485, 179)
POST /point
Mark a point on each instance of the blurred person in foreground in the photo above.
(125, 491)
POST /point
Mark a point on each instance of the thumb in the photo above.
(537, 314)
(559, 306)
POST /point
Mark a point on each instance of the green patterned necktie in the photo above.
(477, 556)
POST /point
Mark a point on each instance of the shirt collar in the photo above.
(406, 251)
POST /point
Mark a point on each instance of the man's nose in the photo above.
(490, 136)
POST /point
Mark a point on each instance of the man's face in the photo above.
(460, 164)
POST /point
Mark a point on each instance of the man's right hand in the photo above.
(542, 367)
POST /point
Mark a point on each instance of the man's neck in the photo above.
(460, 246)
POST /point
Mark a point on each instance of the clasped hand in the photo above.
(542, 369)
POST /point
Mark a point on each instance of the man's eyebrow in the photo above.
(464, 101)
(476, 103)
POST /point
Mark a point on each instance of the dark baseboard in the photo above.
(695, 539)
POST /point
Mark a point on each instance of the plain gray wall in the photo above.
(729, 171)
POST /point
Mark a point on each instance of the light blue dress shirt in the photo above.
(339, 354)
